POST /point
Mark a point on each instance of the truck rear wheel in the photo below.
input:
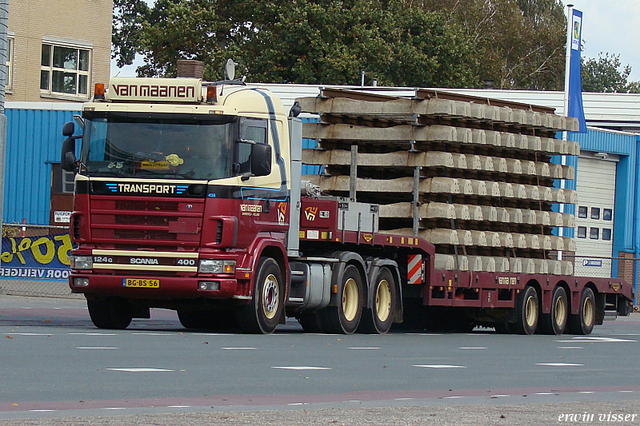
(583, 322)
(379, 318)
(527, 311)
(112, 313)
(345, 317)
(555, 321)
(265, 310)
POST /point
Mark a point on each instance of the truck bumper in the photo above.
(155, 287)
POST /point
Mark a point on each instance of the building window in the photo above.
(9, 63)
(582, 232)
(582, 212)
(607, 214)
(594, 233)
(606, 234)
(64, 70)
(595, 213)
(68, 182)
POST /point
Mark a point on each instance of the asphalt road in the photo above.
(56, 368)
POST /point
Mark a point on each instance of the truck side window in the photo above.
(252, 130)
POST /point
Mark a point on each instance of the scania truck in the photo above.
(189, 196)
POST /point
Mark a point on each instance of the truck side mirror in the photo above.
(68, 129)
(261, 159)
(68, 159)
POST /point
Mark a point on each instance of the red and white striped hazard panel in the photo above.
(414, 270)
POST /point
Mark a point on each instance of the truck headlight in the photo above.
(81, 262)
(216, 266)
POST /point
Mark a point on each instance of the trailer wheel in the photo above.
(112, 313)
(583, 322)
(345, 317)
(555, 321)
(263, 313)
(527, 311)
(379, 318)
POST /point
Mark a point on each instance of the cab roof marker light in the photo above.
(212, 94)
(98, 91)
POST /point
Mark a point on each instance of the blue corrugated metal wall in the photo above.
(34, 140)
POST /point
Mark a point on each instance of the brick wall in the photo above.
(87, 22)
(626, 266)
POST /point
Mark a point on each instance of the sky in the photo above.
(609, 26)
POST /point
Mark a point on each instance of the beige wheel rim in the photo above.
(531, 311)
(560, 311)
(270, 296)
(350, 299)
(383, 300)
(587, 312)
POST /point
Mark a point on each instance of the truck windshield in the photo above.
(168, 146)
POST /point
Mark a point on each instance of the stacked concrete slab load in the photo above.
(471, 175)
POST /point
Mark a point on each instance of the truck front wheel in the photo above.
(265, 310)
(112, 313)
(345, 317)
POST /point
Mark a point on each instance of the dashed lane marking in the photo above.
(438, 366)
(301, 367)
(472, 348)
(141, 370)
(239, 349)
(364, 348)
(558, 364)
(97, 348)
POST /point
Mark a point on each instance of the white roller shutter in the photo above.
(596, 186)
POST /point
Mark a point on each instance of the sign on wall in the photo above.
(36, 258)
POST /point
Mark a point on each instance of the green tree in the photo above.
(606, 74)
(521, 42)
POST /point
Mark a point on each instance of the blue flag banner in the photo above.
(575, 108)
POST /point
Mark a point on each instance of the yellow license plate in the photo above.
(142, 283)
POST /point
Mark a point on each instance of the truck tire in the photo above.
(583, 322)
(379, 318)
(527, 309)
(345, 317)
(555, 321)
(265, 310)
(112, 313)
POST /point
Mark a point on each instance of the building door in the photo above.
(62, 186)
(596, 186)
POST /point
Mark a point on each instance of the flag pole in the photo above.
(563, 158)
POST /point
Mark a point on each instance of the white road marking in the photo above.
(302, 367)
(298, 403)
(453, 397)
(94, 334)
(404, 399)
(570, 347)
(239, 349)
(30, 334)
(472, 348)
(585, 339)
(140, 370)
(500, 396)
(178, 406)
(42, 411)
(99, 348)
(364, 348)
(148, 333)
(438, 366)
(544, 393)
(114, 408)
(586, 392)
(558, 364)
(626, 391)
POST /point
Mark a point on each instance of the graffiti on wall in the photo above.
(36, 258)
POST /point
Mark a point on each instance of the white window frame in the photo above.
(68, 182)
(80, 74)
(10, 47)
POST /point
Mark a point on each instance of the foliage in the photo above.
(436, 43)
(606, 75)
